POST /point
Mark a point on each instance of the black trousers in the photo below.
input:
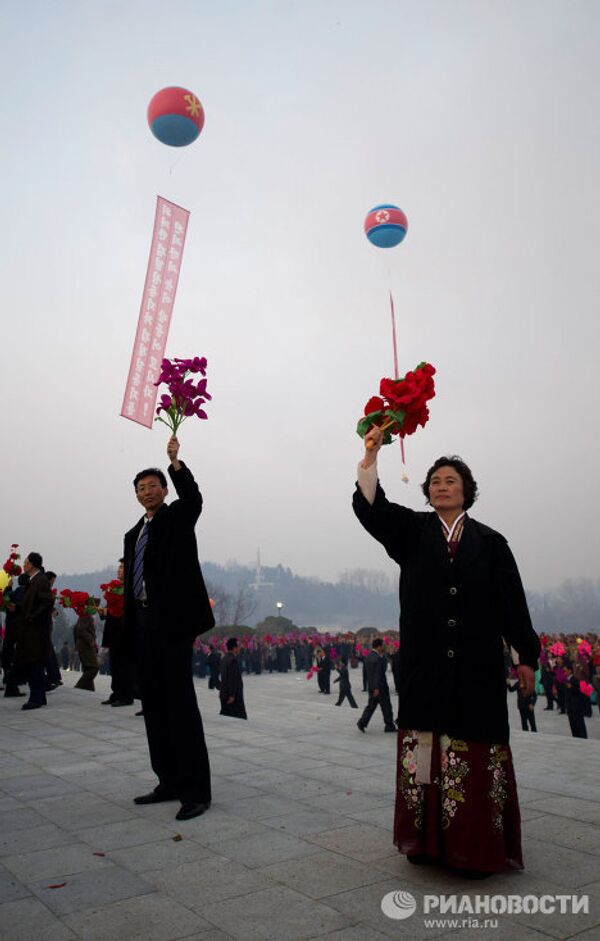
(577, 723)
(547, 683)
(52, 669)
(37, 683)
(121, 673)
(347, 694)
(527, 720)
(382, 700)
(178, 752)
(324, 680)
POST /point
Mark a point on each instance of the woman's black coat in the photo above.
(453, 616)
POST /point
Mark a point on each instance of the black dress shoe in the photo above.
(190, 809)
(140, 713)
(107, 702)
(32, 705)
(390, 728)
(122, 702)
(155, 797)
(360, 726)
(18, 693)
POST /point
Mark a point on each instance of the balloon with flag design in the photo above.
(175, 116)
(385, 225)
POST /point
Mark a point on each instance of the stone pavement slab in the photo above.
(297, 844)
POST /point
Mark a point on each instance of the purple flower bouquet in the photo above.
(185, 397)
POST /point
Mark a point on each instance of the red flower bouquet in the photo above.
(11, 566)
(185, 398)
(401, 406)
(80, 601)
(114, 597)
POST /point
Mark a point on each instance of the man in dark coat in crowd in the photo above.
(166, 607)
(231, 693)
(11, 624)
(379, 692)
(213, 662)
(34, 630)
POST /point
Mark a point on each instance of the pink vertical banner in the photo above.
(168, 238)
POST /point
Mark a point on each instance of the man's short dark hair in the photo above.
(150, 472)
(35, 559)
(50, 575)
(231, 643)
(378, 642)
(469, 483)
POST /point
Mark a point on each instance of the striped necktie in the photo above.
(138, 562)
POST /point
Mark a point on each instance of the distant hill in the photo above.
(359, 598)
(308, 602)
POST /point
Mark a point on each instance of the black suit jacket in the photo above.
(178, 604)
(453, 616)
(376, 667)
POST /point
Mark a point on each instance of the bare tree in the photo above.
(368, 579)
(244, 605)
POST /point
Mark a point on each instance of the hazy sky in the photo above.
(480, 119)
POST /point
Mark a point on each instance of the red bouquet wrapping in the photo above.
(80, 601)
(114, 597)
(401, 405)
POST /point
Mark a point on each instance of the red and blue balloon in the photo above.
(175, 116)
(385, 225)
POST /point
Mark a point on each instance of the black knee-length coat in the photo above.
(454, 614)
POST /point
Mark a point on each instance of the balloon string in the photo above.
(174, 164)
(396, 372)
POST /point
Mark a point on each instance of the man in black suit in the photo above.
(34, 630)
(166, 607)
(231, 692)
(379, 693)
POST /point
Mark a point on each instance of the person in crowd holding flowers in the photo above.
(460, 595)
(576, 701)
(117, 642)
(13, 606)
(34, 629)
(84, 636)
(166, 607)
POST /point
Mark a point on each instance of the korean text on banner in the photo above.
(170, 226)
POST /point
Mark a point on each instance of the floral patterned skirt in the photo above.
(468, 816)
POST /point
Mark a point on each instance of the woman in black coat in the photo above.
(460, 595)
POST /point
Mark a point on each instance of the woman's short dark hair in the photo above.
(231, 643)
(35, 559)
(150, 472)
(469, 483)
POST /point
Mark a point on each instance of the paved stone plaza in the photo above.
(297, 844)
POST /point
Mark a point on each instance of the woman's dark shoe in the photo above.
(419, 859)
